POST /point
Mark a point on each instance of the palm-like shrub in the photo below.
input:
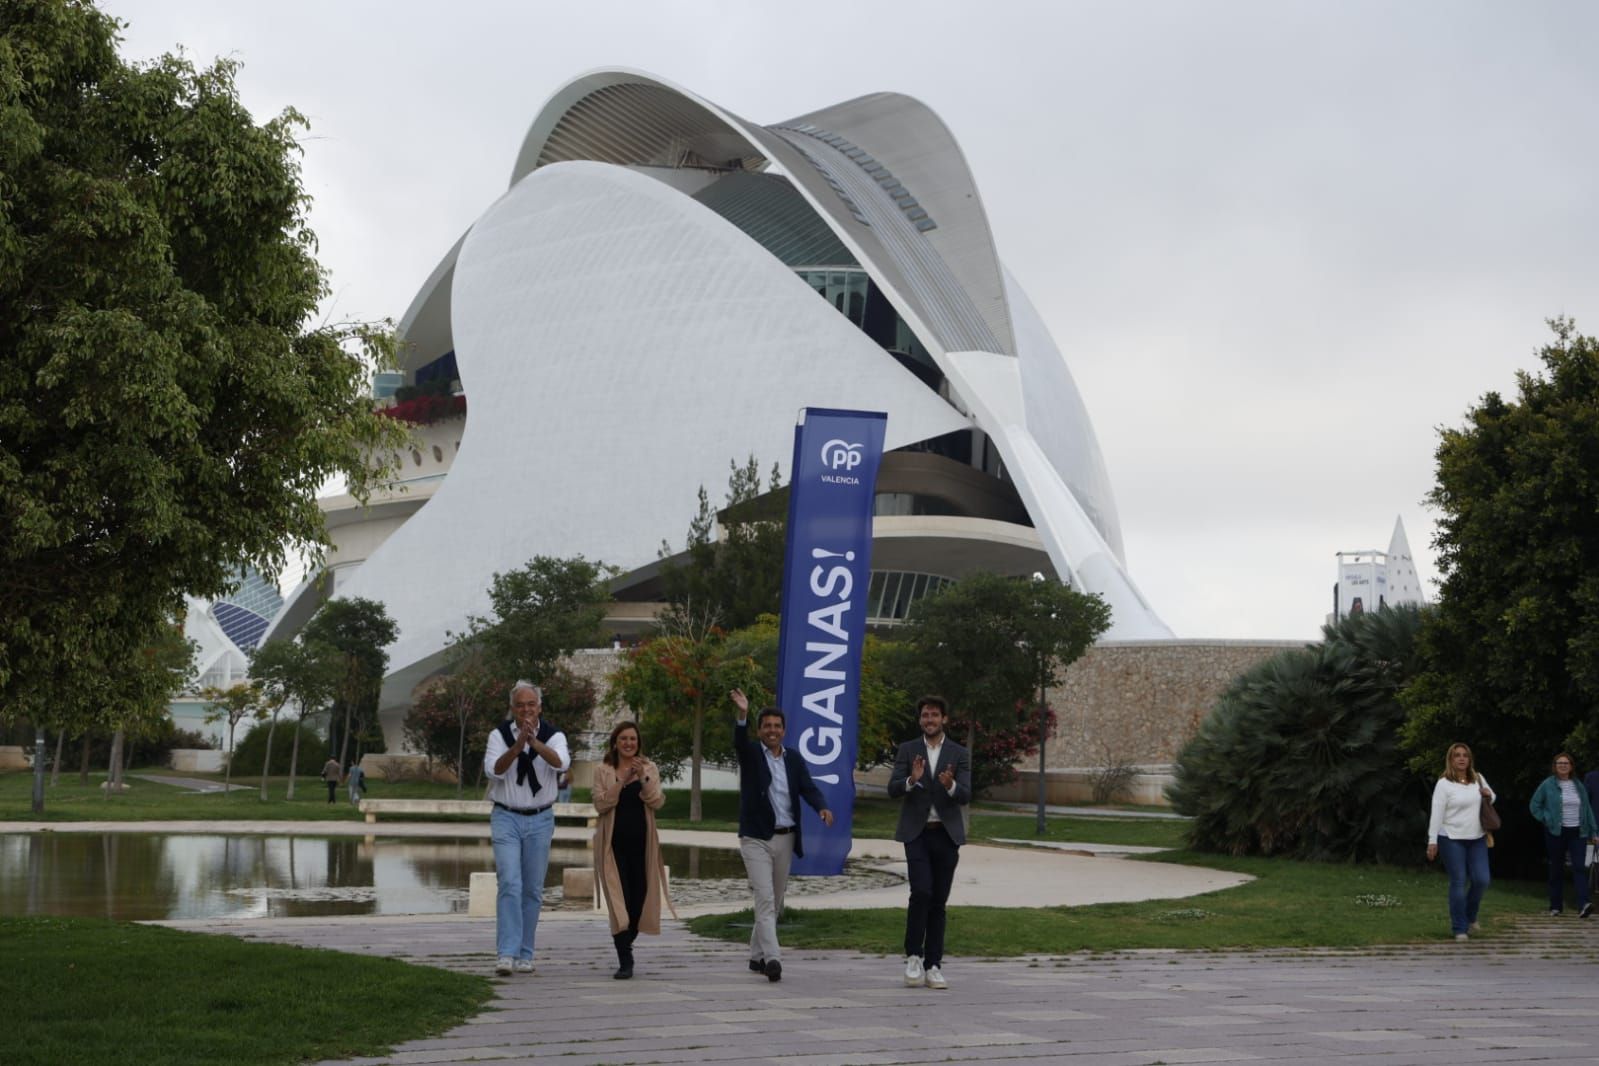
(1301, 754)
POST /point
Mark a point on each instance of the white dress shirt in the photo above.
(536, 791)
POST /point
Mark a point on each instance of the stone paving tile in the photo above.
(695, 1002)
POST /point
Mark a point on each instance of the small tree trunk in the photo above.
(266, 764)
(694, 764)
(227, 760)
(83, 764)
(55, 766)
(38, 767)
(460, 760)
(344, 739)
(113, 777)
(294, 755)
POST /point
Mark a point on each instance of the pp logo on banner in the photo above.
(839, 454)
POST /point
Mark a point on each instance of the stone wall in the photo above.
(1131, 703)
(1134, 703)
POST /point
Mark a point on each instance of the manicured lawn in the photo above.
(1290, 904)
(875, 817)
(87, 990)
(146, 800)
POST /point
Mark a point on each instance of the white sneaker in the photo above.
(503, 964)
(524, 965)
(935, 978)
(913, 971)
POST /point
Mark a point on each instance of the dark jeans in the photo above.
(1465, 860)
(333, 790)
(930, 861)
(1557, 849)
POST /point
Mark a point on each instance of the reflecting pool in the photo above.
(143, 876)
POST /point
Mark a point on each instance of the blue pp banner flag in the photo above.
(827, 569)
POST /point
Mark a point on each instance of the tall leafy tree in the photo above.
(233, 705)
(732, 572)
(291, 672)
(990, 645)
(546, 609)
(356, 634)
(1513, 644)
(168, 404)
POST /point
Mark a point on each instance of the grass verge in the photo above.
(1289, 904)
(89, 990)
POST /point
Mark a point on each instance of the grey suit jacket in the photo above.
(927, 794)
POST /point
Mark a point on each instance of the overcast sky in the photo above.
(1280, 243)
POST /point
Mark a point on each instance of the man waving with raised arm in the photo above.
(771, 781)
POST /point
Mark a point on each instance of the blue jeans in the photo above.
(521, 857)
(1570, 843)
(1465, 860)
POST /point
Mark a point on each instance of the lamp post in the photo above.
(1041, 674)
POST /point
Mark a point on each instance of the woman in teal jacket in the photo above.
(1561, 804)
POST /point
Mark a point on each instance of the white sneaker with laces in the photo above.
(913, 971)
(503, 964)
(524, 965)
(935, 978)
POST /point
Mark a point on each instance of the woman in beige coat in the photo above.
(627, 853)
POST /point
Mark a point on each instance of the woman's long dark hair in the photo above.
(612, 759)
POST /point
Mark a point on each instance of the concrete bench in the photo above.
(374, 807)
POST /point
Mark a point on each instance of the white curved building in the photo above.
(641, 307)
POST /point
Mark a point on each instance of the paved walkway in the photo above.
(1529, 993)
(1524, 997)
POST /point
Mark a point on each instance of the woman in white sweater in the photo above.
(1456, 830)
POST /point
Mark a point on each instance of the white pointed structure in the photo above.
(642, 306)
(1404, 584)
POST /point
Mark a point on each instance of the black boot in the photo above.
(624, 954)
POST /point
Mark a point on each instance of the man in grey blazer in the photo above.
(934, 775)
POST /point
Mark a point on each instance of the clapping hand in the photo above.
(946, 777)
(918, 764)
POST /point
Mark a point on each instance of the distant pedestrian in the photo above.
(356, 780)
(1562, 808)
(934, 776)
(1455, 830)
(627, 851)
(331, 777)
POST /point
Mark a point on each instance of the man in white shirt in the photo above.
(934, 775)
(524, 759)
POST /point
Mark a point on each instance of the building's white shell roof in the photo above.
(620, 341)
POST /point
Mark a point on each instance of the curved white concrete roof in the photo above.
(620, 341)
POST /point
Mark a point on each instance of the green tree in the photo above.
(670, 682)
(356, 634)
(232, 705)
(168, 404)
(1301, 755)
(289, 671)
(1513, 644)
(990, 644)
(733, 570)
(466, 702)
(541, 612)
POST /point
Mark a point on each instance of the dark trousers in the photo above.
(333, 790)
(930, 862)
(1570, 844)
(629, 857)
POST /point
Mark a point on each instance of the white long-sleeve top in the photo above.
(1457, 810)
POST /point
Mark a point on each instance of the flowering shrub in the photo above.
(997, 750)
(426, 409)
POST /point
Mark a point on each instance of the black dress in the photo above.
(628, 832)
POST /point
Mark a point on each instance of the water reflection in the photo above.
(138, 876)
